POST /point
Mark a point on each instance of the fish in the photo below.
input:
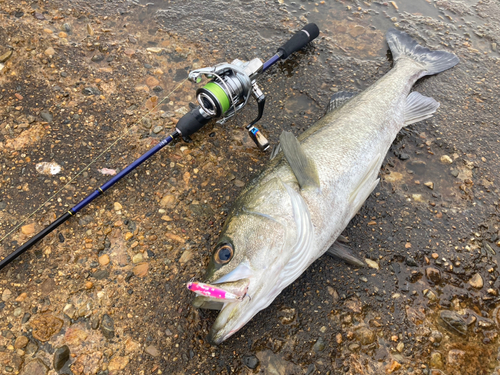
(294, 211)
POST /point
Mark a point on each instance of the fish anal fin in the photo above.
(338, 100)
(303, 167)
(344, 252)
(419, 107)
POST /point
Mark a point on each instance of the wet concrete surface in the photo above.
(109, 284)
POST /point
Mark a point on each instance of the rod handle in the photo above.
(300, 39)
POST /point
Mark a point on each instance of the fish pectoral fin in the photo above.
(338, 100)
(419, 107)
(344, 252)
(303, 167)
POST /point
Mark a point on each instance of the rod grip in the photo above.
(299, 39)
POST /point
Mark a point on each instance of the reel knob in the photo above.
(258, 138)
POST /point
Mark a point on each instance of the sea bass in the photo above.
(295, 210)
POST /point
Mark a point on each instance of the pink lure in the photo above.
(211, 291)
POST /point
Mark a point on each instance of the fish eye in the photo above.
(223, 254)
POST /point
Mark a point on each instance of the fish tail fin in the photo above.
(401, 44)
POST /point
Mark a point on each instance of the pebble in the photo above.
(152, 351)
(365, 336)
(456, 357)
(28, 229)
(445, 159)
(152, 81)
(50, 52)
(36, 367)
(21, 342)
(454, 322)
(117, 206)
(138, 258)
(250, 361)
(433, 275)
(157, 129)
(5, 56)
(436, 360)
(167, 201)
(394, 366)
(403, 156)
(6, 295)
(141, 270)
(101, 274)
(107, 326)
(104, 260)
(46, 115)
(429, 184)
(476, 281)
(238, 183)
(61, 356)
(319, 345)
(45, 326)
(372, 263)
(118, 363)
(454, 173)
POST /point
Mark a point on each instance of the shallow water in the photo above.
(428, 242)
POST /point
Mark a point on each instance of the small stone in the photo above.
(435, 255)
(476, 281)
(238, 183)
(6, 295)
(101, 274)
(394, 366)
(372, 263)
(319, 345)
(454, 173)
(62, 34)
(128, 236)
(454, 322)
(433, 275)
(107, 326)
(97, 58)
(70, 311)
(167, 201)
(5, 56)
(141, 270)
(152, 81)
(250, 361)
(75, 336)
(89, 285)
(45, 326)
(365, 336)
(61, 356)
(46, 115)
(157, 129)
(403, 156)
(50, 52)
(429, 184)
(400, 347)
(445, 159)
(104, 260)
(117, 206)
(138, 258)
(90, 30)
(28, 229)
(152, 351)
(21, 342)
(154, 49)
(118, 363)
(36, 367)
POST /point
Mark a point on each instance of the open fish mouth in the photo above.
(232, 291)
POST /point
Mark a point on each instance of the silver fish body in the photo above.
(297, 207)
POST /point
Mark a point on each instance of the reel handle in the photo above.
(300, 39)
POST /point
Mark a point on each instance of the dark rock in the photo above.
(319, 345)
(101, 274)
(90, 91)
(46, 115)
(97, 58)
(433, 275)
(403, 156)
(250, 361)
(410, 261)
(61, 356)
(454, 322)
(26, 317)
(107, 326)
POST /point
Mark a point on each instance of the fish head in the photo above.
(253, 246)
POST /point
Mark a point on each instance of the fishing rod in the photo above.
(229, 90)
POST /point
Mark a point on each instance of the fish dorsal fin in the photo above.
(338, 100)
(419, 107)
(303, 167)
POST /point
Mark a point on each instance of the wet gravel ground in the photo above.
(104, 294)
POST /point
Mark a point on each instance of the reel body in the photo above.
(228, 92)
